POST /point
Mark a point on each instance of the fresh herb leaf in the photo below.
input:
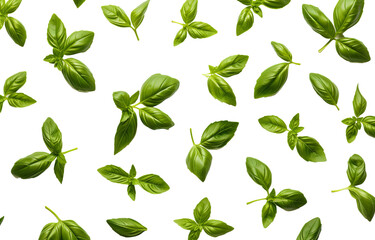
(318, 21)
(245, 21)
(271, 80)
(126, 227)
(325, 88)
(189, 11)
(202, 211)
(310, 150)
(199, 161)
(259, 172)
(138, 14)
(269, 211)
(311, 230)
(352, 50)
(221, 90)
(347, 14)
(356, 170)
(282, 51)
(273, 124)
(218, 134)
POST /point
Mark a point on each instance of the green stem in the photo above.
(338, 109)
(206, 75)
(71, 150)
(53, 213)
(295, 63)
(178, 23)
(191, 135)
(136, 34)
(256, 201)
(321, 50)
(339, 190)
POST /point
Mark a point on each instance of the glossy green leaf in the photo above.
(14, 83)
(200, 30)
(126, 227)
(199, 161)
(189, 10)
(194, 234)
(325, 88)
(292, 140)
(56, 33)
(78, 3)
(359, 103)
(125, 133)
(273, 124)
(352, 50)
(186, 223)
(11, 6)
(121, 99)
(20, 100)
(294, 123)
(245, 21)
(138, 14)
(134, 97)
(131, 192)
(258, 11)
(310, 150)
(290, 200)
(271, 80)
(356, 170)
(318, 21)
(311, 230)
(259, 172)
(202, 211)
(153, 184)
(369, 125)
(115, 174)
(52, 136)
(59, 167)
(116, 16)
(275, 4)
(16, 30)
(268, 213)
(349, 121)
(154, 118)
(32, 165)
(216, 228)
(221, 90)
(78, 75)
(347, 14)
(180, 37)
(232, 65)
(351, 133)
(282, 51)
(218, 134)
(78, 42)
(365, 202)
(2, 21)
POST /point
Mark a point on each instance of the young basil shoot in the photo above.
(325, 88)
(311, 230)
(126, 227)
(14, 27)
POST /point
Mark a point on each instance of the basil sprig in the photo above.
(118, 17)
(357, 175)
(195, 29)
(76, 73)
(355, 123)
(307, 147)
(151, 183)
(325, 88)
(15, 99)
(217, 86)
(154, 91)
(126, 227)
(14, 27)
(273, 78)
(215, 136)
(63, 230)
(287, 199)
(311, 230)
(38, 162)
(78, 3)
(202, 213)
(347, 13)
(246, 18)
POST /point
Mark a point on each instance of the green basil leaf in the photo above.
(200, 30)
(186, 223)
(138, 14)
(352, 50)
(51, 231)
(2, 21)
(189, 10)
(216, 228)
(78, 75)
(245, 21)
(365, 202)
(126, 227)
(115, 174)
(1, 220)
(14, 83)
(51, 59)
(273, 124)
(218, 134)
(221, 90)
(202, 211)
(282, 51)
(311, 230)
(32, 165)
(78, 42)
(199, 161)
(153, 184)
(258, 11)
(134, 97)
(132, 172)
(20, 100)
(318, 21)
(11, 6)
(359, 103)
(71, 230)
(275, 4)
(60, 167)
(292, 140)
(52, 136)
(259, 172)
(299, 129)
(121, 99)
(290, 200)
(351, 133)
(294, 123)
(271, 80)
(347, 14)
(268, 213)
(125, 133)
(348, 121)
(1, 106)
(325, 88)
(158, 88)
(310, 150)
(356, 170)
(126, 114)
(16, 30)
(369, 125)
(232, 65)
(116, 16)
(131, 192)
(154, 118)
(78, 3)
(246, 2)
(180, 37)
(56, 33)
(194, 234)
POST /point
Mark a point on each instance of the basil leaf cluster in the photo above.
(246, 18)
(151, 183)
(118, 17)
(215, 136)
(217, 86)
(15, 99)
(325, 88)
(78, 3)
(154, 91)
(273, 78)
(77, 74)
(307, 147)
(36, 163)
(202, 213)
(126, 227)
(63, 230)
(195, 29)
(346, 14)
(311, 230)
(14, 27)
(287, 199)
(357, 175)
(355, 123)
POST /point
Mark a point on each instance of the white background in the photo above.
(120, 63)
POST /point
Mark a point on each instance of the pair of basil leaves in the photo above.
(14, 27)
(217, 86)
(347, 13)
(151, 183)
(357, 175)
(118, 17)
(15, 99)
(195, 29)
(246, 18)
(311, 230)
(287, 199)
(215, 136)
(202, 213)
(307, 147)
(77, 74)
(273, 78)
(154, 91)
(355, 123)
(36, 163)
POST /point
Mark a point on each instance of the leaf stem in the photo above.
(256, 201)
(339, 190)
(136, 34)
(338, 109)
(321, 50)
(206, 75)
(71, 150)
(54, 214)
(178, 23)
(295, 63)
(191, 135)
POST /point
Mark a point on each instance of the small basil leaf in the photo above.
(153, 184)
(294, 123)
(352, 50)
(20, 100)
(134, 97)
(273, 124)
(290, 200)
(356, 170)
(268, 213)
(216, 228)
(125, 132)
(32, 165)
(52, 136)
(245, 21)
(121, 99)
(132, 172)
(186, 223)
(78, 75)
(14, 83)
(131, 192)
(114, 174)
(16, 30)
(299, 129)
(221, 90)
(154, 118)
(310, 150)
(78, 42)
(369, 125)
(275, 4)
(231, 66)
(271, 80)
(325, 88)
(282, 51)
(51, 59)
(56, 33)
(311, 230)
(292, 140)
(272, 193)
(116, 16)
(126, 114)
(218, 134)
(202, 211)
(365, 202)
(180, 37)
(189, 10)
(138, 14)
(359, 103)
(200, 30)
(258, 11)
(194, 234)
(11, 6)
(259, 172)
(348, 121)
(199, 161)
(126, 227)
(347, 14)
(318, 21)
(78, 3)
(351, 133)
(60, 167)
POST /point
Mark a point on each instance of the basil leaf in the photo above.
(349, 121)
(365, 202)
(32, 165)
(356, 170)
(60, 167)
(268, 213)
(126, 114)
(258, 11)
(116, 16)
(134, 97)
(216, 228)
(351, 133)
(310, 150)
(292, 140)
(52, 136)
(294, 123)
(71, 229)
(273, 124)
(121, 99)
(218, 134)
(275, 4)
(78, 42)
(138, 14)
(180, 37)
(359, 103)
(115, 174)
(199, 161)
(126, 227)
(202, 211)
(125, 133)
(132, 172)
(221, 90)
(20, 100)
(1, 220)
(189, 10)
(347, 14)
(11, 6)
(271, 80)
(369, 125)
(282, 51)
(154, 118)
(131, 191)
(290, 200)
(56, 33)
(259, 172)
(318, 21)
(1, 105)
(16, 30)
(200, 30)
(2, 21)
(232, 65)
(245, 21)
(153, 184)
(186, 223)
(194, 234)
(78, 75)
(78, 3)
(51, 231)
(246, 2)
(352, 50)
(325, 88)
(158, 88)
(14, 83)
(311, 230)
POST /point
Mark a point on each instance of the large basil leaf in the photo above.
(245, 21)
(194, 234)
(153, 184)
(121, 99)
(365, 202)
(259, 172)
(78, 42)
(20, 100)
(186, 223)
(359, 103)
(310, 150)
(369, 125)
(268, 213)
(232, 65)
(180, 36)
(116, 16)
(352, 50)
(14, 83)
(221, 90)
(126, 227)
(199, 161)
(356, 170)
(351, 133)
(158, 88)
(11, 6)
(56, 33)
(115, 174)
(273, 124)
(59, 167)
(311, 230)
(63, 230)
(78, 75)
(52, 136)
(78, 3)
(216, 228)
(32, 165)
(189, 10)
(290, 200)
(282, 51)
(200, 30)
(202, 211)
(138, 14)
(155, 119)
(218, 134)
(318, 21)
(325, 88)
(16, 30)
(271, 80)
(125, 133)
(347, 14)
